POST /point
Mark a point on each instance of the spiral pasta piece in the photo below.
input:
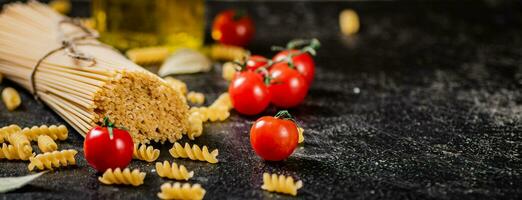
(173, 171)
(281, 184)
(219, 110)
(51, 160)
(8, 152)
(196, 98)
(178, 191)
(196, 125)
(21, 144)
(227, 52)
(146, 153)
(213, 113)
(223, 100)
(210, 114)
(202, 111)
(218, 113)
(148, 55)
(53, 131)
(8, 130)
(125, 177)
(193, 153)
(11, 98)
(87, 22)
(178, 85)
(46, 144)
(228, 71)
(61, 6)
(301, 136)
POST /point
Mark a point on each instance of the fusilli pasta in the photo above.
(61, 6)
(196, 98)
(223, 100)
(196, 125)
(219, 110)
(8, 130)
(193, 153)
(213, 113)
(53, 131)
(46, 144)
(178, 191)
(51, 160)
(202, 111)
(87, 22)
(148, 55)
(178, 85)
(228, 70)
(173, 171)
(301, 136)
(8, 152)
(125, 177)
(11, 98)
(21, 144)
(281, 184)
(146, 153)
(227, 52)
(217, 113)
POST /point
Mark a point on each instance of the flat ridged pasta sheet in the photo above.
(84, 92)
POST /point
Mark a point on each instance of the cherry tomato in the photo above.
(248, 93)
(103, 152)
(274, 138)
(256, 61)
(288, 88)
(233, 28)
(302, 61)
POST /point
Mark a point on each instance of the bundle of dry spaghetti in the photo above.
(81, 79)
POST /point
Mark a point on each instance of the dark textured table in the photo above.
(424, 103)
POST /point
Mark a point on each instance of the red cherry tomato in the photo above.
(248, 93)
(303, 62)
(288, 88)
(102, 152)
(273, 138)
(256, 61)
(233, 28)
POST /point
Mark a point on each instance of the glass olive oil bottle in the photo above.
(127, 24)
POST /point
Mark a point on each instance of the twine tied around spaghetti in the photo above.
(69, 45)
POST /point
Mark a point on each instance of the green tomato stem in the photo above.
(285, 115)
(109, 125)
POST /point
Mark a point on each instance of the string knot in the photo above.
(69, 45)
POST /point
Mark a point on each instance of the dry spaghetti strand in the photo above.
(84, 91)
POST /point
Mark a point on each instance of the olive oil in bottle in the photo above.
(127, 24)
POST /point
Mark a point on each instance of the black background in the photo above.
(437, 116)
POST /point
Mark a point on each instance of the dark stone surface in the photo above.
(424, 103)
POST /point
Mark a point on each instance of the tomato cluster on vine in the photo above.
(283, 80)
